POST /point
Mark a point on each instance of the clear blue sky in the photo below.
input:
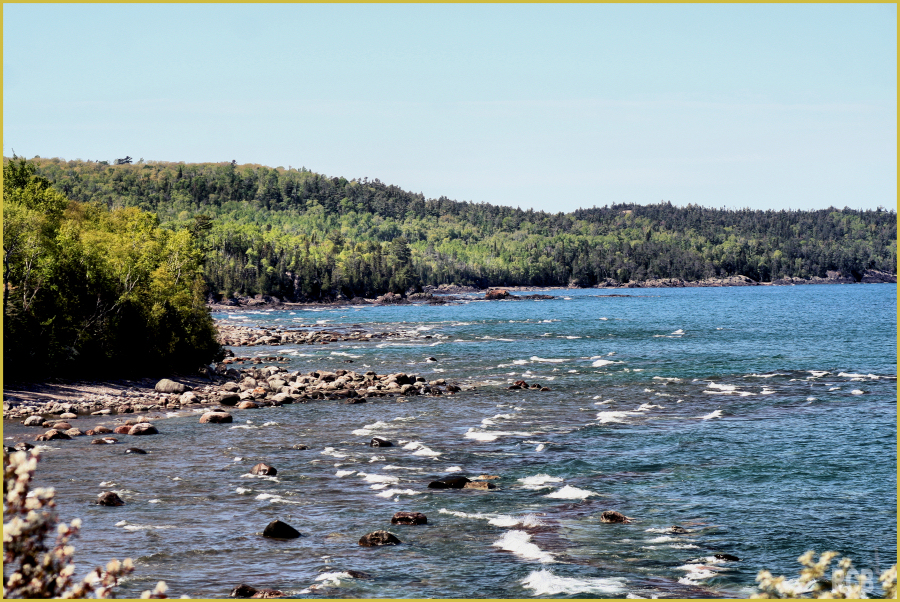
(546, 106)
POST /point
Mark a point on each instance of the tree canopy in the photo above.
(301, 235)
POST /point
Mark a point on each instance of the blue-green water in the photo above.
(763, 420)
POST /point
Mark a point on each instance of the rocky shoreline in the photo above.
(124, 396)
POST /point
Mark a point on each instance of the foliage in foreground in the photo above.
(32, 568)
(814, 581)
(90, 291)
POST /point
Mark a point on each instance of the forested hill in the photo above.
(297, 234)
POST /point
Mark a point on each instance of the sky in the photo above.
(544, 106)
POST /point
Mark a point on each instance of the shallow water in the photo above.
(763, 420)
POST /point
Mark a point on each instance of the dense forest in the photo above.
(301, 235)
(89, 290)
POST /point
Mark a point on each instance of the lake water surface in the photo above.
(762, 420)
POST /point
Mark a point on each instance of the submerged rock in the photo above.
(379, 538)
(299, 446)
(135, 450)
(379, 442)
(728, 557)
(279, 530)
(409, 518)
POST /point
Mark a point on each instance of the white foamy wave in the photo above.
(145, 527)
(379, 478)
(535, 358)
(714, 414)
(242, 490)
(379, 425)
(545, 583)
(539, 481)
(345, 354)
(663, 539)
(646, 407)
(519, 543)
(424, 451)
(540, 448)
(571, 493)
(393, 492)
(392, 467)
(453, 469)
(613, 416)
(818, 373)
(601, 363)
(330, 451)
(480, 436)
(857, 392)
(333, 579)
(250, 475)
(344, 473)
(722, 387)
(379, 486)
(362, 432)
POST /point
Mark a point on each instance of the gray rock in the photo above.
(170, 386)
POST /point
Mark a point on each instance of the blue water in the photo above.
(761, 419)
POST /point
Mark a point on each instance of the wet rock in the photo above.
(104, 441)
(279, 530)
(242, 591)
(74, 432)
(228, 399)
(23, 446)
(611, 516)
(359, 574)
(409, 518)
(109, 498)
(299, 446)
(379, 538)
(479, 485)
(379, 442)
(449, 483)
(519, 384)
(135, 450)
(497, 293)
(122, 430)
(170, 386)
(247, 405)
(486, 477)
(216, 418)
(52, 435)
(34, 421)
(728, 557)
(68, 416)
(99, 430)
(143, 428)
(268, 593)
(678, 530)
(264, 469)
(61, 426)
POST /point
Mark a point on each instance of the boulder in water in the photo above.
(135, 450)
(216, 418)
(479, 485)
(379, 538)
(449, 483)
(264, 469)
(279, 530)
(379, 442)
(611, 516)
(34, 421)
(143, 428)
(109, 498)
(409, 518)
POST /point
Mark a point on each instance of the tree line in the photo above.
(301, 235)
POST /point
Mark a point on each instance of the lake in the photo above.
(761, 420)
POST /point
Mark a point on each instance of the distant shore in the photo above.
(446, 292)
